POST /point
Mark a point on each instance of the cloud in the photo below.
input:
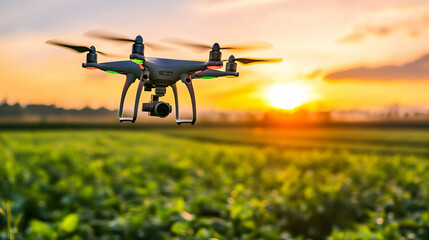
(360, 33)
(316, 73)
(416, 70)
(411, 23)
(210, 6)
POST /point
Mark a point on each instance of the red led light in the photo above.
(91, 68)
(141, 66)
(214, 67)
(198, 71)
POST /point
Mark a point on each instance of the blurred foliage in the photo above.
(145, 185)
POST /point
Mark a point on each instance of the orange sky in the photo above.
(325, 47)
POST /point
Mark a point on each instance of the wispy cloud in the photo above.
(415, 70)
(313, 75)
(210, 6)
(411, 20)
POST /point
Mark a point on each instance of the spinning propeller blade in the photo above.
(256, 45)
(77, 48)
(102, 34)
(256, 60)
(107, 36)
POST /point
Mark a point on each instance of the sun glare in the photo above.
(288, 96)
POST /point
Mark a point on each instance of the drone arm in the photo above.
(214, 73)
(132, 71)
(186, 79)
(121, 67)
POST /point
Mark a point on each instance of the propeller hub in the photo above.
(91, 57)
(139, 39)
(216, 47)
(231, 66)
(215, 54)
(138, 49)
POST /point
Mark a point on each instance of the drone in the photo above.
(160, 73)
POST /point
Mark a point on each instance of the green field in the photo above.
(224, 183)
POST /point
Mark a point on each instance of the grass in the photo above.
(201, 183)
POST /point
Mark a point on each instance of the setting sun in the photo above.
(288, 96)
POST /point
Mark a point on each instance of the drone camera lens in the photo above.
(157, 108)
(163, 109)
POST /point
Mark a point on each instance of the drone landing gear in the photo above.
(186, 79)
(130, 80)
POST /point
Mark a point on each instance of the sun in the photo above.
(289, 95)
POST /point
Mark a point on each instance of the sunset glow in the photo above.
(288, 96)
(351, 60)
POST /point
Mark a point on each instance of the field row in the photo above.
(165, 185)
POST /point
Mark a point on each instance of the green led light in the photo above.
(208, 77)
(138, 61)
(111, 72)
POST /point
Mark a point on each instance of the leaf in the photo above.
(42, 229)
(203, 233)
(18, 220)
(409, 223)
(180, 228)
(70, 222)
(179, 204)
(2, 212)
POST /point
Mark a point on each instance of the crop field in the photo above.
(215, 183)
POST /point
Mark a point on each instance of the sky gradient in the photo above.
(360, 54)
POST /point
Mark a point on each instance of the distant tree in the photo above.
(7, 110)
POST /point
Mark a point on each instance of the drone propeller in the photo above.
(254, 60)
(107, 36)
(101, 34)
(256, 45)
(77, 48)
